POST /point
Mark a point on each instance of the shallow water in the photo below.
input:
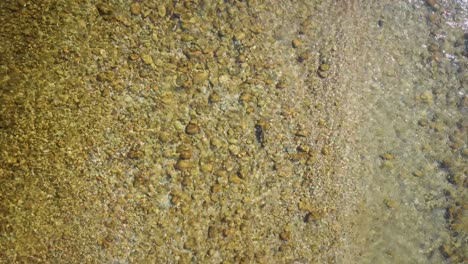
(410, 89)
(233, 131)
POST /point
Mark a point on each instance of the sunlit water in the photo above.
(403, 66)
(410, 88)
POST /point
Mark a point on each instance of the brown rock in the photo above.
(183, 165)
(285, 235)
(135, 8)
(314, 215)
(192, 129)
(214, 98)
(296, 43)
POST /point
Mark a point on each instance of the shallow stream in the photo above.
(410, 84)
(233, 131)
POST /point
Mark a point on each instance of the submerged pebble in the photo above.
(192, 129)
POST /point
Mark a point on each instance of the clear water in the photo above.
(411, 99)
(91, 127)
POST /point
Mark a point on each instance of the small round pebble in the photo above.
(192, 129)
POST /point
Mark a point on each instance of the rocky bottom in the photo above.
(232, 131)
